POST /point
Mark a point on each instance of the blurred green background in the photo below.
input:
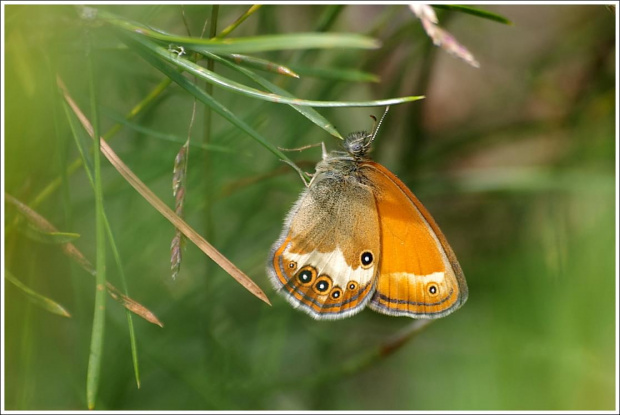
(515, 160)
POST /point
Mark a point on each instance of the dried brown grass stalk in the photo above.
(162, 208)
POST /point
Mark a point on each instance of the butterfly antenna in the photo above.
(376, 130)
(374, 124)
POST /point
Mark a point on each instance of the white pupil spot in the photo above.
(366, 258)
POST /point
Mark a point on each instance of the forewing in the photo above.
(419, 274)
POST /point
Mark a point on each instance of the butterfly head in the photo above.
(358, 144)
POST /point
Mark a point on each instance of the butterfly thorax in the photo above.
(345, 165)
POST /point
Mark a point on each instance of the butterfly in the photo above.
(357, 237)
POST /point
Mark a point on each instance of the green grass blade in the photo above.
(200, 72)
(253, 9)
(37, 234)
(134, 348)
(132, 334)
(91, 177)
(474, 11)
(291, 41)
(258, 63)
(334, 74)
(307, 112)
(36, 298)
(98, 331)
(251, 44)
(328, 17)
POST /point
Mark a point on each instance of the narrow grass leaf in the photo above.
(328, 17)
(474, 11)
(132, 333)
(227, 30)
(347, 75)
(251, 44)
(36, 234)
(290, 41)
(36, 298)
(262, 64)
(95, 357)
(134, 348)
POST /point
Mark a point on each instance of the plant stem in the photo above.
(207, 124)
(96, 346)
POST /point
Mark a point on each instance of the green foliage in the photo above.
(36, 298)
(515, 160)
(475, 11)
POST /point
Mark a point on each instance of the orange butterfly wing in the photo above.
(419, 275)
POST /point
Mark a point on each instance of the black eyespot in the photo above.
(323, 284)
(366, 258)
(306, 275)
(292, 265)
(432, 289)
(352, 286)
(336, 293)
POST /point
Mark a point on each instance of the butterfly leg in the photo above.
(301, 173)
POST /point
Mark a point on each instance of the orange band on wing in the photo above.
(277, 258)
(324, 304)
(406, 295)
